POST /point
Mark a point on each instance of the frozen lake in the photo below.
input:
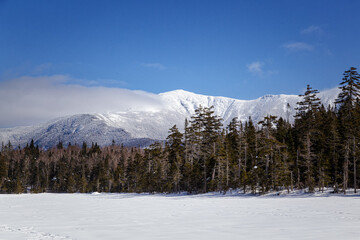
(209, 216)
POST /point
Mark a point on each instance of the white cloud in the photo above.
(298, 46)
(312, 29)
(158, 66)
(30, 100)
(255, 67)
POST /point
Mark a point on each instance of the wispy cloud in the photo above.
(296, 46)
(158, 66)
(255, 67)
(313, 29)
(31, 100)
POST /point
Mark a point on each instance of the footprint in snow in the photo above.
(32, 233)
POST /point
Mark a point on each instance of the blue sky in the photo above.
(239, 49)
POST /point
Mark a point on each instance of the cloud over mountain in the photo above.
(31, 100)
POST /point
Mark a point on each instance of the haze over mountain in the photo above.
(141, 126)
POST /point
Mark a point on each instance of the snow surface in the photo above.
(207, 216)
(139, 127)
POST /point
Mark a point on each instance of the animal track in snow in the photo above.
(32, 234)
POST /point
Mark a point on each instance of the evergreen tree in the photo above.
(3, 171)
(233, 151)
(176, 155)
(346, 103)
(305, 124)
(350, 90)
(206, 127)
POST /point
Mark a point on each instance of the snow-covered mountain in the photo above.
(140, 128)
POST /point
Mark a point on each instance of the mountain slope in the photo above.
(140, 128)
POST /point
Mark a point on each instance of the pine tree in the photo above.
(233, 151)
(305, 124)
(346, 103)
(3, 171)
(325, 146)
(205, 127)
(350, 90)
(266, 149)
(309, 105)
(176, 154)
(220, 177)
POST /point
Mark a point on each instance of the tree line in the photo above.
(319, 150)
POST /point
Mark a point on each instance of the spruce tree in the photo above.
(350, 89)
(205, 128)
(305, 124)
(176, 154)
(346, 103)
(233, 151)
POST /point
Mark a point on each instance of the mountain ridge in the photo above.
(140, 128)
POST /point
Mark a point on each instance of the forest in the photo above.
(318, 150)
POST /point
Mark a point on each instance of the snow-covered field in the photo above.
(208, 216)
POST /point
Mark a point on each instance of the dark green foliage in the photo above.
(176, 154)
(350, 89)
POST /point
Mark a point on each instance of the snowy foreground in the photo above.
(208, 216)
